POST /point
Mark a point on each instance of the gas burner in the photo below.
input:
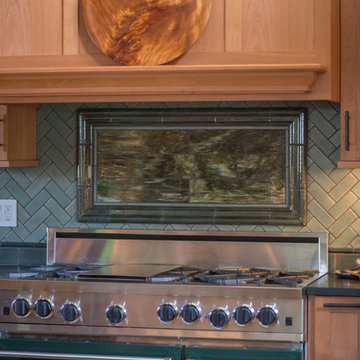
(61, 271)
(179, 274)
(234, 276)
(230, 279)
(291, 278)
(70, 272)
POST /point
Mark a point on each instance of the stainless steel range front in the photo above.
(191, 289)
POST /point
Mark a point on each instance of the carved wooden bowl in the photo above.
(145, 32)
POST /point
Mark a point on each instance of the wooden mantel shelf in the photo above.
(30, 84)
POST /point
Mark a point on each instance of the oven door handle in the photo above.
(56, 356)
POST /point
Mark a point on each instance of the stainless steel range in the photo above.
(193, 290)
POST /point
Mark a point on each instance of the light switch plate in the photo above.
(8, 213)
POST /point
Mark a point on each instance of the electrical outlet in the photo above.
(8, 213)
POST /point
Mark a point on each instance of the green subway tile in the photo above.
(63, 111)
(37, 202)
(322, 123)
(356, 189)
(335, 157)
(58, 158)
(345, 238)
(58, 141)
(343, 223)
(270, 228)
(356, 172)
(343, 187)
(342, 205)
(356, 208)
(338, 174)
(37, 219)
(291, 228)
(58, 123)
(57, 211)
(314, 226)
(327, 109)
(320, 195)
(356, 226)
(320, 214)
(321, 141)
(321, 159)
(356, 244)
(321, 177)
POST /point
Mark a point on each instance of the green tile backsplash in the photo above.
(46, 194)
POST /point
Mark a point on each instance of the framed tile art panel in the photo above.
(209, 166)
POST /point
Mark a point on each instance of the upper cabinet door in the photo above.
(270, 26)
(33, 27)
(350, 84)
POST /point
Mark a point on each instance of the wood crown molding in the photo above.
(63, 84)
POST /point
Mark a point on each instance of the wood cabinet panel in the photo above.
(334, 324)
(31, 27)
(270, 25)
(350, 83)
(344, 333)
(70, 35)
(213, 37)
(18, 135)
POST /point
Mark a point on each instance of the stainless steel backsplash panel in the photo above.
(293, 251)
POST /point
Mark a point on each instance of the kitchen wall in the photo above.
(46, 194)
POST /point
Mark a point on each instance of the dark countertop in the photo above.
(332, 285)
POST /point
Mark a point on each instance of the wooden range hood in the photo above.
(250, 50)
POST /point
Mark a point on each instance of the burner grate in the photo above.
(234, 276)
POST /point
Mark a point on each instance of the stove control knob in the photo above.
(267, 315)
(70, 313)
(115, 314)
(167, 312)
(43, 308)
(21, 307)
(190, 313)
(219, 318)
(243, 314)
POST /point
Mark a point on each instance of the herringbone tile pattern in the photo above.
(47, 194)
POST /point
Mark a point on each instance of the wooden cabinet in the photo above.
(32, 27)
(250, 50)
(350, 84)
(18, 135)
(334, 328)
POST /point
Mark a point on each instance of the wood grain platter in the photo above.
(145, 32)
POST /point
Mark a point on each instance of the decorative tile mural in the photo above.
(46, 194)
(203, 166)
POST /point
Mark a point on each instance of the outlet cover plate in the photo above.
(8, 213)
